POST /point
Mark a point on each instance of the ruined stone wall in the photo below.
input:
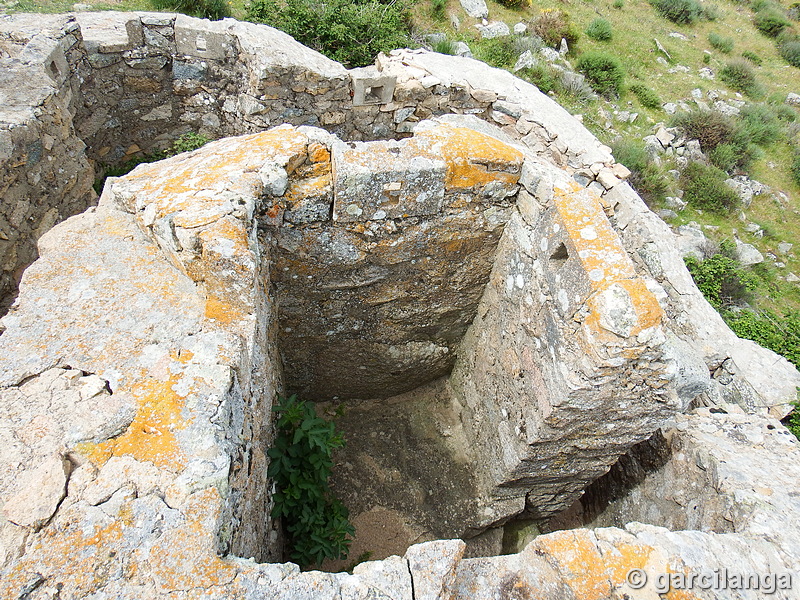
(139, 364)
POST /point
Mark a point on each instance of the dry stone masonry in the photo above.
(429, 242)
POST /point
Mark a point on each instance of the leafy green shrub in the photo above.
(553, 25)
(646, 97)
(683, 12)
(752, 57)
(759, 124)
(796, 168)
(515, 3)
(438, 10)
(600, 30)
(792, 420)
(352, 33)
(722, 280)
(781, 335)
(619, 4)
(704, 187)
(206, 9)
(603, 71)
(770, 21)
(739, 76)
(187, 143)
(723, 44)
(710, 12)
(315, 522)
(647, 178)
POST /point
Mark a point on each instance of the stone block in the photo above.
(109, 32)
(371, 86)
(202, 39)
(380, 180)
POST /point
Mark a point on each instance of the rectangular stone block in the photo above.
(380, 180)
(201, 39)
(372, 87)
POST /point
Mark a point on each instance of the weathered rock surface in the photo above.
(140, 362)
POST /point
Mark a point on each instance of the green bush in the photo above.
(600, 30)
(439, 9)
(724, 156)
(543, 76)
(352, 33)
(683, 12)
(445, 47)
(781, 335)
(515, 3)
(206, 9)
(603, 71)
(723, 44)
(315, 522)
(704, 187)
(553, 26)
(796, 168)
(709, 127)
(499, 52)
(647, 178)
(789, 49)
(722, 280)
(770, 21)
(752, 57)
(619, 4)
(739, 76)
(646, 97)
(759, 124)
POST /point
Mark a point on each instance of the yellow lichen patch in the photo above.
(598, 247)
(317, 153)
(604, 259)
(186, 558)
(579, 562)
(313, 187)
(151, 435)
(86, 554)
(171, 190)
(222, 312)
(473, 159)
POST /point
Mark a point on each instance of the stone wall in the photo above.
(140, 361)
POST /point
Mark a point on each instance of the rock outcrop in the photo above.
(445, 234)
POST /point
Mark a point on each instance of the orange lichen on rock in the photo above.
(604, 259)
(473, 159)
(151, 435)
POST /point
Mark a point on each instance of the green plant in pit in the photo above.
(723, 44)
(646, 97)
(600, 30)
(603, 71)
(704, 187)
(316, 523)
(185, 143)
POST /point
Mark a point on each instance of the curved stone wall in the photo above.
(139, 363)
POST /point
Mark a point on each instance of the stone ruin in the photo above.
(430, 243)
